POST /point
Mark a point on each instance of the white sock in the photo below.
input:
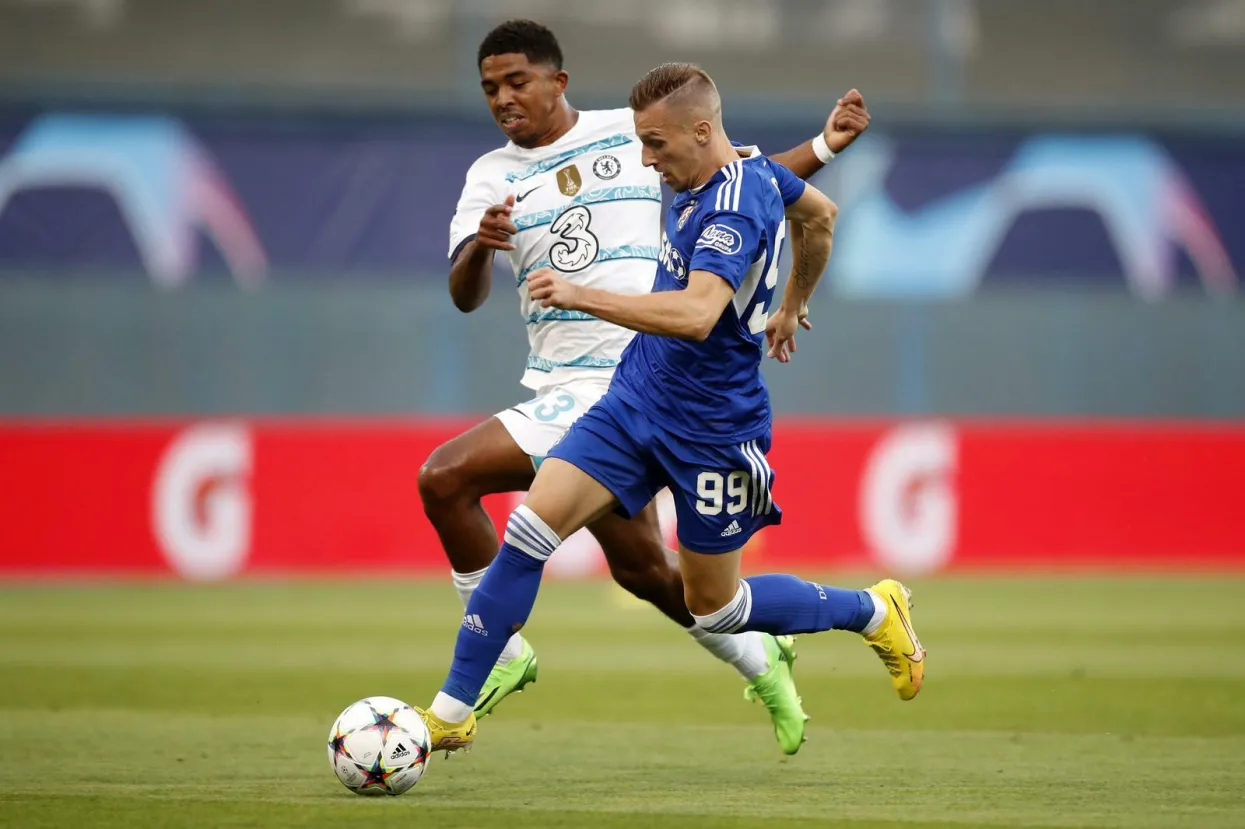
(466, 584)
(732, 616)
(745, 651)
(879, 614)
(449, 709)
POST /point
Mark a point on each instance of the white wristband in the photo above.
(821, 149)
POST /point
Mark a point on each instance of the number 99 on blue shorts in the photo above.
(722, 492)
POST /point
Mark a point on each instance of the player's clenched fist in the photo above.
(849, 119)
(551, 290)
(496, 228)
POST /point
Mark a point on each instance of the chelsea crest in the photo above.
(606, 167)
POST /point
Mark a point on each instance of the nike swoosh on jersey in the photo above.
(528, 193)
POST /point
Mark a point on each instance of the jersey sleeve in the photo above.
(727, 245)
(790, 185)
(479, 194)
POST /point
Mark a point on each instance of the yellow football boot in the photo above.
(449, 737)
(895, 641)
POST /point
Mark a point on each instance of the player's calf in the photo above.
(481, 461)
(453, 507)
(498, 608)
(659, 584)
(640, 564)
(783, 604)
(451, 483)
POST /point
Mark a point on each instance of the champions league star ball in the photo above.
(379, 745)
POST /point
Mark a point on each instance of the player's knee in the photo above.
(720, 610)
(649, 578)
(706, 600)
(441, 482)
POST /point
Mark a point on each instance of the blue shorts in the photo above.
(721, 491)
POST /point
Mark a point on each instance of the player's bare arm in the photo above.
(812, 218)
(689, 314)
(472, 271)
(848, 120)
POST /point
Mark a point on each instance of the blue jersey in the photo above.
(732, 226)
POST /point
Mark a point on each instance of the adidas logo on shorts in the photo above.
(732, 529)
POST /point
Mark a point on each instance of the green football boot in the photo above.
(776, 688)
(507, 679)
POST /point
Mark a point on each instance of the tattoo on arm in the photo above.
(801, 271)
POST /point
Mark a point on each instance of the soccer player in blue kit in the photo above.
(687, 408)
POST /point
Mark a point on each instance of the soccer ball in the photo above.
(379, 745)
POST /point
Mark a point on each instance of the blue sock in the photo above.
(781, 604)
(501, 604)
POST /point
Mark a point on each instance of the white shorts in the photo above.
(542, 421)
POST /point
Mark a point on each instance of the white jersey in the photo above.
(586, 207)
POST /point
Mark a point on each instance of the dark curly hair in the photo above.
(521, 37)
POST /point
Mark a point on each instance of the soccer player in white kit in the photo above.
(569, 191)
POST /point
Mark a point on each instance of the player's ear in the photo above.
(704, 131)
(561, 78)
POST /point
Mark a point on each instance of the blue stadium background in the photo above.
(261, 227)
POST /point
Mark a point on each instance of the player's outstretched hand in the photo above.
(551, 290)
(847, 121)
(496, 228)
(780, 334)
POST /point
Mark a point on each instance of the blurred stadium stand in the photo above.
(1046, 217)
(1157, 61)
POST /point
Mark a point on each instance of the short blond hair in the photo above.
(686, 81)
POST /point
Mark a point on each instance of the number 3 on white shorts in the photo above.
(547, 413)
(710, 488)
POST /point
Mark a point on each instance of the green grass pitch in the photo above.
(1048, 702)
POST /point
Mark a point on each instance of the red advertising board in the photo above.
(214, 499)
